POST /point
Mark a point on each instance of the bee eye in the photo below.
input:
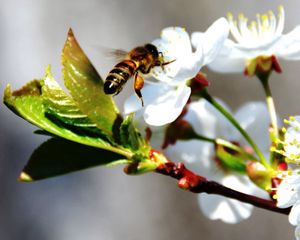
(152, 49)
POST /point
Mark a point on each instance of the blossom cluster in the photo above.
(245, 150)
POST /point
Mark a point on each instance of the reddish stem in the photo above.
(197, 184)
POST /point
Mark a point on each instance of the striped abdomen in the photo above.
(118, 76)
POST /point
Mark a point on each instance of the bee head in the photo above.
(152, 49)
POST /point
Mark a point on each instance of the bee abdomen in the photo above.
(118, 76)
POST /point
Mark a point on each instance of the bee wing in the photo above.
(116, 54)
(109, 53)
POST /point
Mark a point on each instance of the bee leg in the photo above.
(138, 85)
(161, 63)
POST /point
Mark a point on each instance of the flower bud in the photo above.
(178, 130)
(198, 83)
(259, 175)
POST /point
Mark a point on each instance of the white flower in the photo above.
(291, 141)
(262, 37)
(288, 192)
(165, 100)
(288, 195)
(199, 155)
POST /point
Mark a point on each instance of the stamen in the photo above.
(265, 28)
(234, 28)
(259, 25)
(280, 24)
(272, 149)
(272, 22)
(292, 119)
(253, 29)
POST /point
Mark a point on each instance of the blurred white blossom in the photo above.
(200, 156)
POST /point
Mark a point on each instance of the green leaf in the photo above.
(58, 156)
(63, 110)
(29, 103)
(33, 88)
(130, 136)
(86, 88)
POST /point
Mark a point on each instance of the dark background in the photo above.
(103, 203)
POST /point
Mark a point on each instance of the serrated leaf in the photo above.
(86, 88)
(58, 156)
(130, 136)
(63, 110)
(28, 103)
(33, 88)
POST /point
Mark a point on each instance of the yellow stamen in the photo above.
(292, 118)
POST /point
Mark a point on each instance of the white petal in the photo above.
(254, 118)
(170, 53)
(177, 36)
(197, 155)
(167, 107)
(229, 60)
(212, 40)
(292, 138)
(288, 46)
(189, 66)
(175, 45)
(288, 190)
(207, 121)
(228, 210)
(149, 93)
(297, 232)
(294, 217)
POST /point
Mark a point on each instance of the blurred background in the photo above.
(104, 203)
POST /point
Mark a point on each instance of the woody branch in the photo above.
(190, 181)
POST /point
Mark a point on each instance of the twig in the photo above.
(197, 184)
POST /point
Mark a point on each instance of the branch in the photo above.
(197, 184)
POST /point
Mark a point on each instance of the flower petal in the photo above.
(292, 140)
(207, 121)
(190, 65)
(254, 118)
(149, 93)
(230, 210)
(220, 208)
(297, 232)
(288, 46)
(197, 155)
(174, 37)
(230, 59)
(288, 190)
(294, 216)
(212, 40)
(167, 107)
(175, 45)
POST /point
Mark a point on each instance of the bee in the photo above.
(139, 60)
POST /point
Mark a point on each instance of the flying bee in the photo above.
(139, 60)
